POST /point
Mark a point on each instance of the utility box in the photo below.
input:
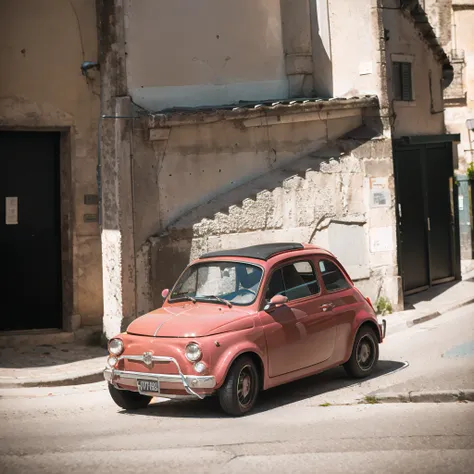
(465, 196)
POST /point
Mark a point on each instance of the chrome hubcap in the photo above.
(245, 386)
(365, 353)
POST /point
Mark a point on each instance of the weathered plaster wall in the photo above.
(456, 116)
(322, 198)
(354, 32)
(41, 49)
(222, 51)
(424, 115)
(213, 185)
(440, 14)
(198, 162)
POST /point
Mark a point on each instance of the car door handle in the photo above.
(327, 307)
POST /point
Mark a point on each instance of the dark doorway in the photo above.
(426, 215)
(30, 239)
(412, 227)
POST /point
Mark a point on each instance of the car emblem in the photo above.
(148, 358)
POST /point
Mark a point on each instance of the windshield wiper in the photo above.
(185, 297)
(221, 300)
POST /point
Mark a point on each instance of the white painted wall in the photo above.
(204, 52)
(353, 33)
(405, 44)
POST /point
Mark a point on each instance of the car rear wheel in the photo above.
(365, 354)
(128, 400)
(240, 390)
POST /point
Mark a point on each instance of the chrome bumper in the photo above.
(383, 327)
(130, 378)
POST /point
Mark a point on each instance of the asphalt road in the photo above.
(79, 429)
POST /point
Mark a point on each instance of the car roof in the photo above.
(262, 252)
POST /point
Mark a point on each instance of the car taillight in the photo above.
(369, 301)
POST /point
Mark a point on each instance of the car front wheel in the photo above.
(240, 390)
(365, 354)
(128, 400)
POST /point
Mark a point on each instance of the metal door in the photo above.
(439, 181)
(30, 270)
(426, 215)
(413, 244)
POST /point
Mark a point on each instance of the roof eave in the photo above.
(178, 117)
(423, 25)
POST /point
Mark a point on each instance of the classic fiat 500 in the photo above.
(240, 321)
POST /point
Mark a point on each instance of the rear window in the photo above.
(333, 278)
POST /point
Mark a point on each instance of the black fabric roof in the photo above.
(260, 252)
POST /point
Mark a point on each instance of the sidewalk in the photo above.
(432, 303)
(51, 365)
(66, 363)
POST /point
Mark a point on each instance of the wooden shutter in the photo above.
(397, 81)
(407, 93)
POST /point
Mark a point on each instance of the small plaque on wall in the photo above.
(11, 210)
(379, 193)
(91, 199)
(91, 218)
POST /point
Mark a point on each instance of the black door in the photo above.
(30, 270)
(424, 175)
(440, 217)
(412, 223)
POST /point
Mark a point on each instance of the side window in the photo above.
(276, 286)
(333, 278)
(294, 281)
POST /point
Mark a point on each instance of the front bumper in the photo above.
(383, 327)
(189, 383)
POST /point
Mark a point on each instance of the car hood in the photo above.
(192, 320)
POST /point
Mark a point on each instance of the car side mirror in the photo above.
(165, 293)
(276, 301)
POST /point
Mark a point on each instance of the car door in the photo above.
(300, 333)
(339, 302)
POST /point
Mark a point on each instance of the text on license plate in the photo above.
(148, 386)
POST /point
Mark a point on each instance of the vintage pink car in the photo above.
(240, 321)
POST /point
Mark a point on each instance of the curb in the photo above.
(435, 314)
(436, 396)
(90, 377)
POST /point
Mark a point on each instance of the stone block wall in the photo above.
(322, 198)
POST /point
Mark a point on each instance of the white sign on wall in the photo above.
(381, 239)
(11, 210)
(379, 192)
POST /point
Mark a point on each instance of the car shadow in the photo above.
(326, 382)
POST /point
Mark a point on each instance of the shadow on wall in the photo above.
(291, 203)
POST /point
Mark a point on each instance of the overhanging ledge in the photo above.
(271, 111)
(427, 139)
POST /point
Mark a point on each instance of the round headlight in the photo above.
(193, 352)
(112, 361)
(116, 347)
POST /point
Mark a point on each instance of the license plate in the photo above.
(149, 386)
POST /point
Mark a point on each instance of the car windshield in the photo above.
(234, 282)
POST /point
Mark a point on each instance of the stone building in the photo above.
(224, 123)
(51, 270)
(453, 21)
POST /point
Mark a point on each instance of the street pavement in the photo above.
(300, 427)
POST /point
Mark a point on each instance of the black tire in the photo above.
(128, 400)
(240, 390)
(365, 354)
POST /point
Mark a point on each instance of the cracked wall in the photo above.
(322, 197)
